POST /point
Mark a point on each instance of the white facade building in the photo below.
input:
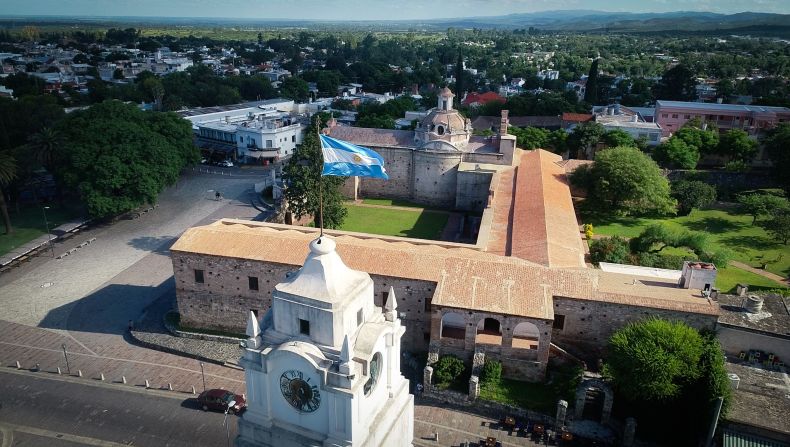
(322, 367)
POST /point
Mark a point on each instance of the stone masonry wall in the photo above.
(223, 301)
(398, 163)
(589, 324)
(435, 178)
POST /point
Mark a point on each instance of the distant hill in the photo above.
(580, 20)
(564, 20)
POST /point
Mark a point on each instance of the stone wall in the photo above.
(435, 178)
(588, 325)
(471, 193)
(224, 299)
(517, 363)
(399, 165)
(735, 340)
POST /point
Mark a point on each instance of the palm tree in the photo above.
(46, 145)
(7, 174)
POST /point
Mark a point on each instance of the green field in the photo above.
(727, 228)
(391, 202)
(395, 222)
(28, 224)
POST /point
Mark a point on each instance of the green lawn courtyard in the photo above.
(28, 224)
(727, 228)
(420, 224)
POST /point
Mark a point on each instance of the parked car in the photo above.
(225, 163)
(203, 161)
(218, 399)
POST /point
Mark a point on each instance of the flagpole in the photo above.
(320, 186)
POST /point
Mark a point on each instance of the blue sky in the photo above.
(365, 9)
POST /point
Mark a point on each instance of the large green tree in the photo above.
(776, 142)
(119, 157)
(7, 174)
(304, 182)
(677, 84)
(737, 145)
(758, 205)
(591, 89)
(676, 153)
(654, 359)
(692, 194)
(665, 372)
(627, 181)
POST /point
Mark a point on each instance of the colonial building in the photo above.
(322, 366)
(521, 293)
(440, 163)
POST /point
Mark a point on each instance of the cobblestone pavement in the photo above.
(455, 426)
(87, 299)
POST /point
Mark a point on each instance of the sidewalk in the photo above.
(763, 273)
(30, 346)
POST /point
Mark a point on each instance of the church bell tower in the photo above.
(322, 366)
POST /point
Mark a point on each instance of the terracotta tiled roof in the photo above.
(573, 164)
(373, 137)
(482, 98)
(577, 117)
(465, 278)
(545, 229)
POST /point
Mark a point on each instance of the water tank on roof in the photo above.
(753, 304)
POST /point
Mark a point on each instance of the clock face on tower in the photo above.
(300, 393)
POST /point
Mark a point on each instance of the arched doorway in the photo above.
(453, 326)
(594, 399)
(489, 332)
(526, 336)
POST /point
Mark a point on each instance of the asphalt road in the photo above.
(42, 409)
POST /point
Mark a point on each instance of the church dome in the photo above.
(442, 122)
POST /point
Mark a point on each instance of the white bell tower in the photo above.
(322, 367)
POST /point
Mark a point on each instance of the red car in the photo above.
(218, 399)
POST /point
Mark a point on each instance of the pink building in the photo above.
(672, 115)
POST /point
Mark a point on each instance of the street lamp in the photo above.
(68, 368)
(49, 236)
(225, 422)
(202, 373)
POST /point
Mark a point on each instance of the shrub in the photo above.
(492, 372)
(655, 260)
(448, 369)
(610, 249)
(588, 231)
(692, 194)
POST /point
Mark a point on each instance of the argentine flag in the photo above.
(349, 160)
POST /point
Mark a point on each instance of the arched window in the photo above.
(453, 326)
(526, 336)
(489, 332)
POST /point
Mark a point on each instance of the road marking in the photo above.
(8, 436)
(120, 360)
(57, 435)
(180, 395)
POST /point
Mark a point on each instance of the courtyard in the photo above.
(392, 219)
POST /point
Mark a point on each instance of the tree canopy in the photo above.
(667, 371)
(119, 157)
(776, 142)
(625, 180)
(677, 84)
(692, 194)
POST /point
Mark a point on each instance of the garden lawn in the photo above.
(28, 224)
(391, 202)
(750, 244)
(534, 396)
(395, 222)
